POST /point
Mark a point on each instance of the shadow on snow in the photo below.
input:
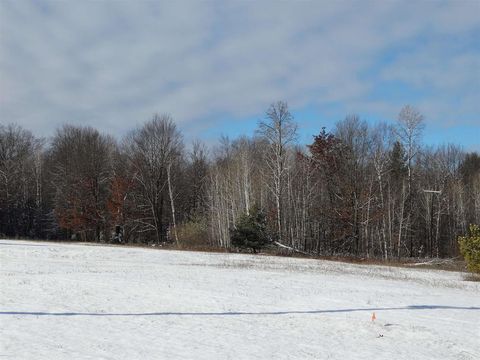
(240, 313)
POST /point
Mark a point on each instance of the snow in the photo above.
(66, 301)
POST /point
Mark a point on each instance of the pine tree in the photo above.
(250, 230)
(397, 161)
(470, 248)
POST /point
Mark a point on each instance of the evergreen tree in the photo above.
(397, 161)
(470, 248)
(250, 231)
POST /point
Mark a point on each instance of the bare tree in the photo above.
(81, 170)
(151, 151)
(409, 130)
(19, 180)
(197, 179)
(382, 142)
(280, 131)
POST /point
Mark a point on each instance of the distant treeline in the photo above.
(361, 190)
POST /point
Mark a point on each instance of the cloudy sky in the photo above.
(215, 66)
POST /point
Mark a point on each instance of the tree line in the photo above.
(359, 190)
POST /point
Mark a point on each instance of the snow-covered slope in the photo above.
(60, 301)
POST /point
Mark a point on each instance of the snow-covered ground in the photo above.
(62, 301)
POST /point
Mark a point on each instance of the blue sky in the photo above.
(215, 66)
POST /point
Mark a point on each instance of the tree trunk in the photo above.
(172, 203)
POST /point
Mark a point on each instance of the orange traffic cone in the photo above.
(373, 317)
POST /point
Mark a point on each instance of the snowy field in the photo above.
(62, 301)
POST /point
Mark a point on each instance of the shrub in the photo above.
(250, 231)
(470, 248)
(193, 234)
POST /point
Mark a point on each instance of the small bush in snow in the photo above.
(470, 248)
(193, 234)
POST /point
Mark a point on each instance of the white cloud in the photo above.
(112, 64)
